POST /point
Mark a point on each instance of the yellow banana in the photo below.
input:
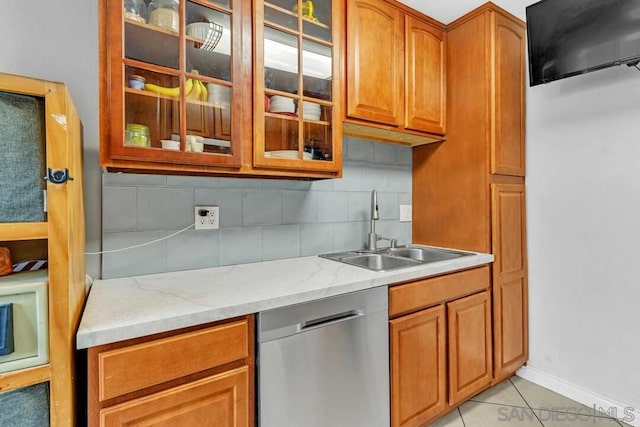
(188, 87)
(167, 91)
(203, 92)
(194, 93)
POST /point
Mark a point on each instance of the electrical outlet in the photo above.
(207, 217)
(405, 213)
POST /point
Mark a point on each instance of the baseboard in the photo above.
(581, 395)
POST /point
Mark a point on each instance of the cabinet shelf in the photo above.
(24, 377)
(23, 231)
(167, 97)
(293, 15)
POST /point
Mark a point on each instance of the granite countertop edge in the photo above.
(137, 306)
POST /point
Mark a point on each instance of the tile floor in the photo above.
(518, 402)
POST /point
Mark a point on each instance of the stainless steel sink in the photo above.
(378, 262)
(395, 258)
(426, 254)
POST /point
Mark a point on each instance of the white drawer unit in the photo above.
(27, 343)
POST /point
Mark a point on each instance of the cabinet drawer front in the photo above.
(128, 369)
(221, 400)
(425, 293)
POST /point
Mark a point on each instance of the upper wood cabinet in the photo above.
(375, 81)
(166, 74)
(395, 73)
(425, 77)
(297, 81)
(179, 83)
(507, 143)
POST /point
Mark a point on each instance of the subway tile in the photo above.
(239, 183)
(316, 239)
(374, 178)
(385, 153)
(359, 150)
(349, 236)
(133, 262)
(286, 184)
(404, 199)
(133, 179)
(351, 178)
(261, 207)
(359, 206)
(388, 206)
(405, 155)
(119, 208)
(229, 201)
(240, 245)
(323, 184)
(280, 241)
(398, 180)
(192, 181)
(299, 207)
(332, 206)
(165, 208)
(193, 249)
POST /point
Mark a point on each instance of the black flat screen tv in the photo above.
(570, 37)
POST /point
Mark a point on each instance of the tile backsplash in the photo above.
(260, 219)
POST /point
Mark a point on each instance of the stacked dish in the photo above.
(287, 154)
(281, 104)
(310, 110)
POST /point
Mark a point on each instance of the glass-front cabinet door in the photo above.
(174, 74)
(296, 84)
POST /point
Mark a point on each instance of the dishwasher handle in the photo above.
(330, 320)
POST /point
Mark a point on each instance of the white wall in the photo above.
(583, 184)
(58, 40)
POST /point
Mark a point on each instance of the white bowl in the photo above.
(168, 144)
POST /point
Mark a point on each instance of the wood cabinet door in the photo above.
(375, 62)
(221, 400)
(418, 357)
(469, 333)
(425, 77)
(510, 291)
(507, 146)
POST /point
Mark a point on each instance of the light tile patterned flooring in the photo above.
(518, 402)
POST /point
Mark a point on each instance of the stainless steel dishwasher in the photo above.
(325, 363)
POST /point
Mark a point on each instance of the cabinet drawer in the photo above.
(128, 369)
(425, 293)
(220, 400)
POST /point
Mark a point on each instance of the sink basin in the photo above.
(425, 254)
(378, 262)
(395, 258)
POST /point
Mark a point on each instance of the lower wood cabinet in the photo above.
(196, 376)
(219, 400)
(469, 333)
(442, 354)
(418, 367)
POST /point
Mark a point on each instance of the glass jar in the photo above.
(136, 10)
(164, 13)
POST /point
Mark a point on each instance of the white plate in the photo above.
(287, 154)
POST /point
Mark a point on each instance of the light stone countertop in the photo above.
(132, 307)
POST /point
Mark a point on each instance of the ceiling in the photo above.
(447, 11)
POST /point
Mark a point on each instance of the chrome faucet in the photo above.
(373, 237)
